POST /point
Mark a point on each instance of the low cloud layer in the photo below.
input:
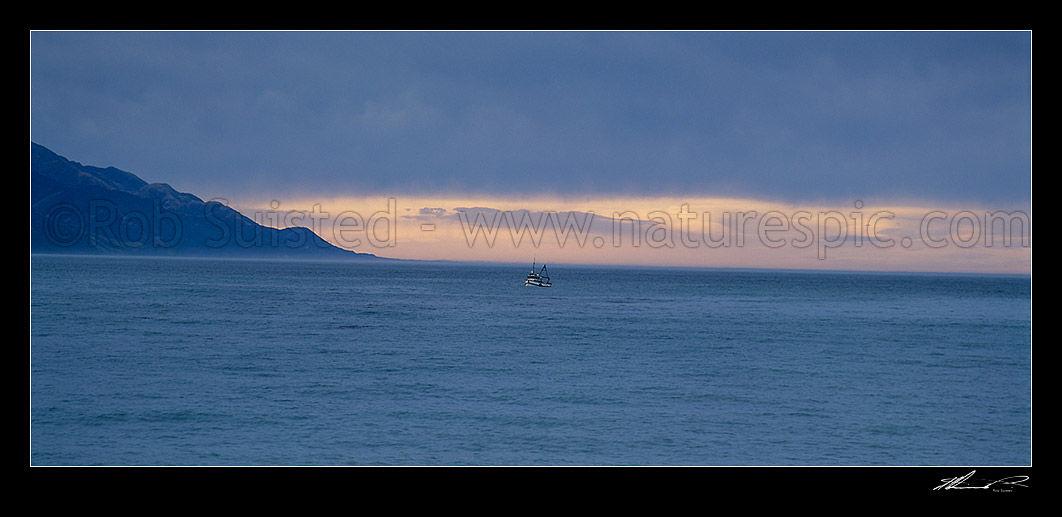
(788, 116)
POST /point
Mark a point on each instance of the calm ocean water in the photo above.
(228, 362)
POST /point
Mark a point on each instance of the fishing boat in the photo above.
(540, 279)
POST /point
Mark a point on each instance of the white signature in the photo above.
(957, 483)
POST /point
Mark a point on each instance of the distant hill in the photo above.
(77, 208)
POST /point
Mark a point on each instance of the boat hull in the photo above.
(537, 281)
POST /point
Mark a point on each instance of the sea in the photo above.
(181, 361)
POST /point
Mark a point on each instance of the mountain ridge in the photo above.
(77, 208)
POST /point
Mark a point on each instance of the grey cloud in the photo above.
(787, 116)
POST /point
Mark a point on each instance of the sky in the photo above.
(450, 123)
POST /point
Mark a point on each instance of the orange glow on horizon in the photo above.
(667, 231)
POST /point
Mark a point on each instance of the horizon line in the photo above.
(395, 260)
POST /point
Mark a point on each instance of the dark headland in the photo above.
(82, 209)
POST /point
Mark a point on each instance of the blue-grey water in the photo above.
(229, 362)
